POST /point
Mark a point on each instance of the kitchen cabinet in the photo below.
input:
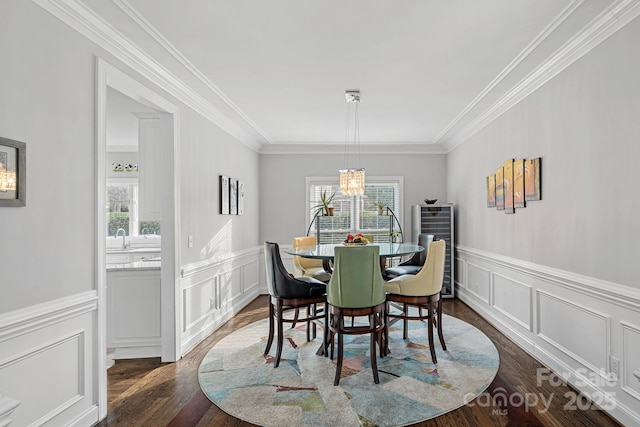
(133, 312)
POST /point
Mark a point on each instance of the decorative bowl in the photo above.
(354, 244)
(430, 201)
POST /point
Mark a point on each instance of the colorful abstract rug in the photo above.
(240, 380)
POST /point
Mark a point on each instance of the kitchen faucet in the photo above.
(124, 237)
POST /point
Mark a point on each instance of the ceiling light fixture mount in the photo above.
(352, 179)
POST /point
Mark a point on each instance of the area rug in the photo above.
(239, 379)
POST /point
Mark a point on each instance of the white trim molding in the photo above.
(84, 20)
(53, 345)
(584, 329)
(7, 406)
(602, 27)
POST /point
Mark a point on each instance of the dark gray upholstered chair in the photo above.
(415, 263)
(290, 293)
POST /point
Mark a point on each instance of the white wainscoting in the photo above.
(47, 363)
(213, 291)
(580, 327)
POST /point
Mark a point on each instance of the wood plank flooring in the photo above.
(146, 392)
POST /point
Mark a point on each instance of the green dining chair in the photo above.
(356, 289)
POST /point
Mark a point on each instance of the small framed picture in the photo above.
(13, 173)
(240, 198)
(491, 191)
(532, 179)
(500, 189)
(233, 196)
(224, 195)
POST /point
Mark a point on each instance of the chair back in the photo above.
(424, 240)
(356, 281)
(301, 264)
(431, 275)
(281, 283)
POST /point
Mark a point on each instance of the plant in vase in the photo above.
(395, 236)
(381, 206)
(324, 207)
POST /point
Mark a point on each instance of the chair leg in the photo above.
(270, 338)
(374, 364)
(405, 322)
(308, 308)
(430, 332)
(440, 335)
(325, 330)
(276, 362)
(340, 321)
(314, 311)
(295, 318)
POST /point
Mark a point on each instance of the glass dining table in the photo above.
(326, 253)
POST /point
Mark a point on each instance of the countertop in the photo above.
(137, 266)
(133, 250)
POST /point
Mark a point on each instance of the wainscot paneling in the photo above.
(630, 375)
(47, 361)
(584, 329)
(478, 282)
(513, 299)
(212, 291)
(573, 329)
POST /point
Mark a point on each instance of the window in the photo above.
(355, 214)
(122, 209)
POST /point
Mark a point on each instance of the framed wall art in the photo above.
(224, 195)
(499, 189)
(508, 186)
(233, 196)
(532, 179)
(491, 191)
(518, 184)
(13, 172)
(240, 198)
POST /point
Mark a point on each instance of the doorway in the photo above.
(111, 79)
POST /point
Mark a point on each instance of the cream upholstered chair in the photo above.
(307, 267)
(422, 291)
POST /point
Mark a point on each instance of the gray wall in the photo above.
(283, 214)
(48, 89)
(584, 124)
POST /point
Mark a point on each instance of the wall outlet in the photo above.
(190, 242)
(615, 366)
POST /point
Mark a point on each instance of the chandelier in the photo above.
(352, 179)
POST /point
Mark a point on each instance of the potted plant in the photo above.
(395, 235)
(324, 207)
(381, 206)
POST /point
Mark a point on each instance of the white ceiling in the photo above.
(429, 71)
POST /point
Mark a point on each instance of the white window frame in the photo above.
(334, 180)
(132, 183)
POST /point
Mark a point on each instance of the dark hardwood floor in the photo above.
(145, 392)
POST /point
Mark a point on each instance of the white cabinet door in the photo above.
(149, 166)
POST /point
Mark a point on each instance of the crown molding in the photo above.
(543, 35)
(338, 149)
(128, 9)
(84, 20)
(602, 27)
